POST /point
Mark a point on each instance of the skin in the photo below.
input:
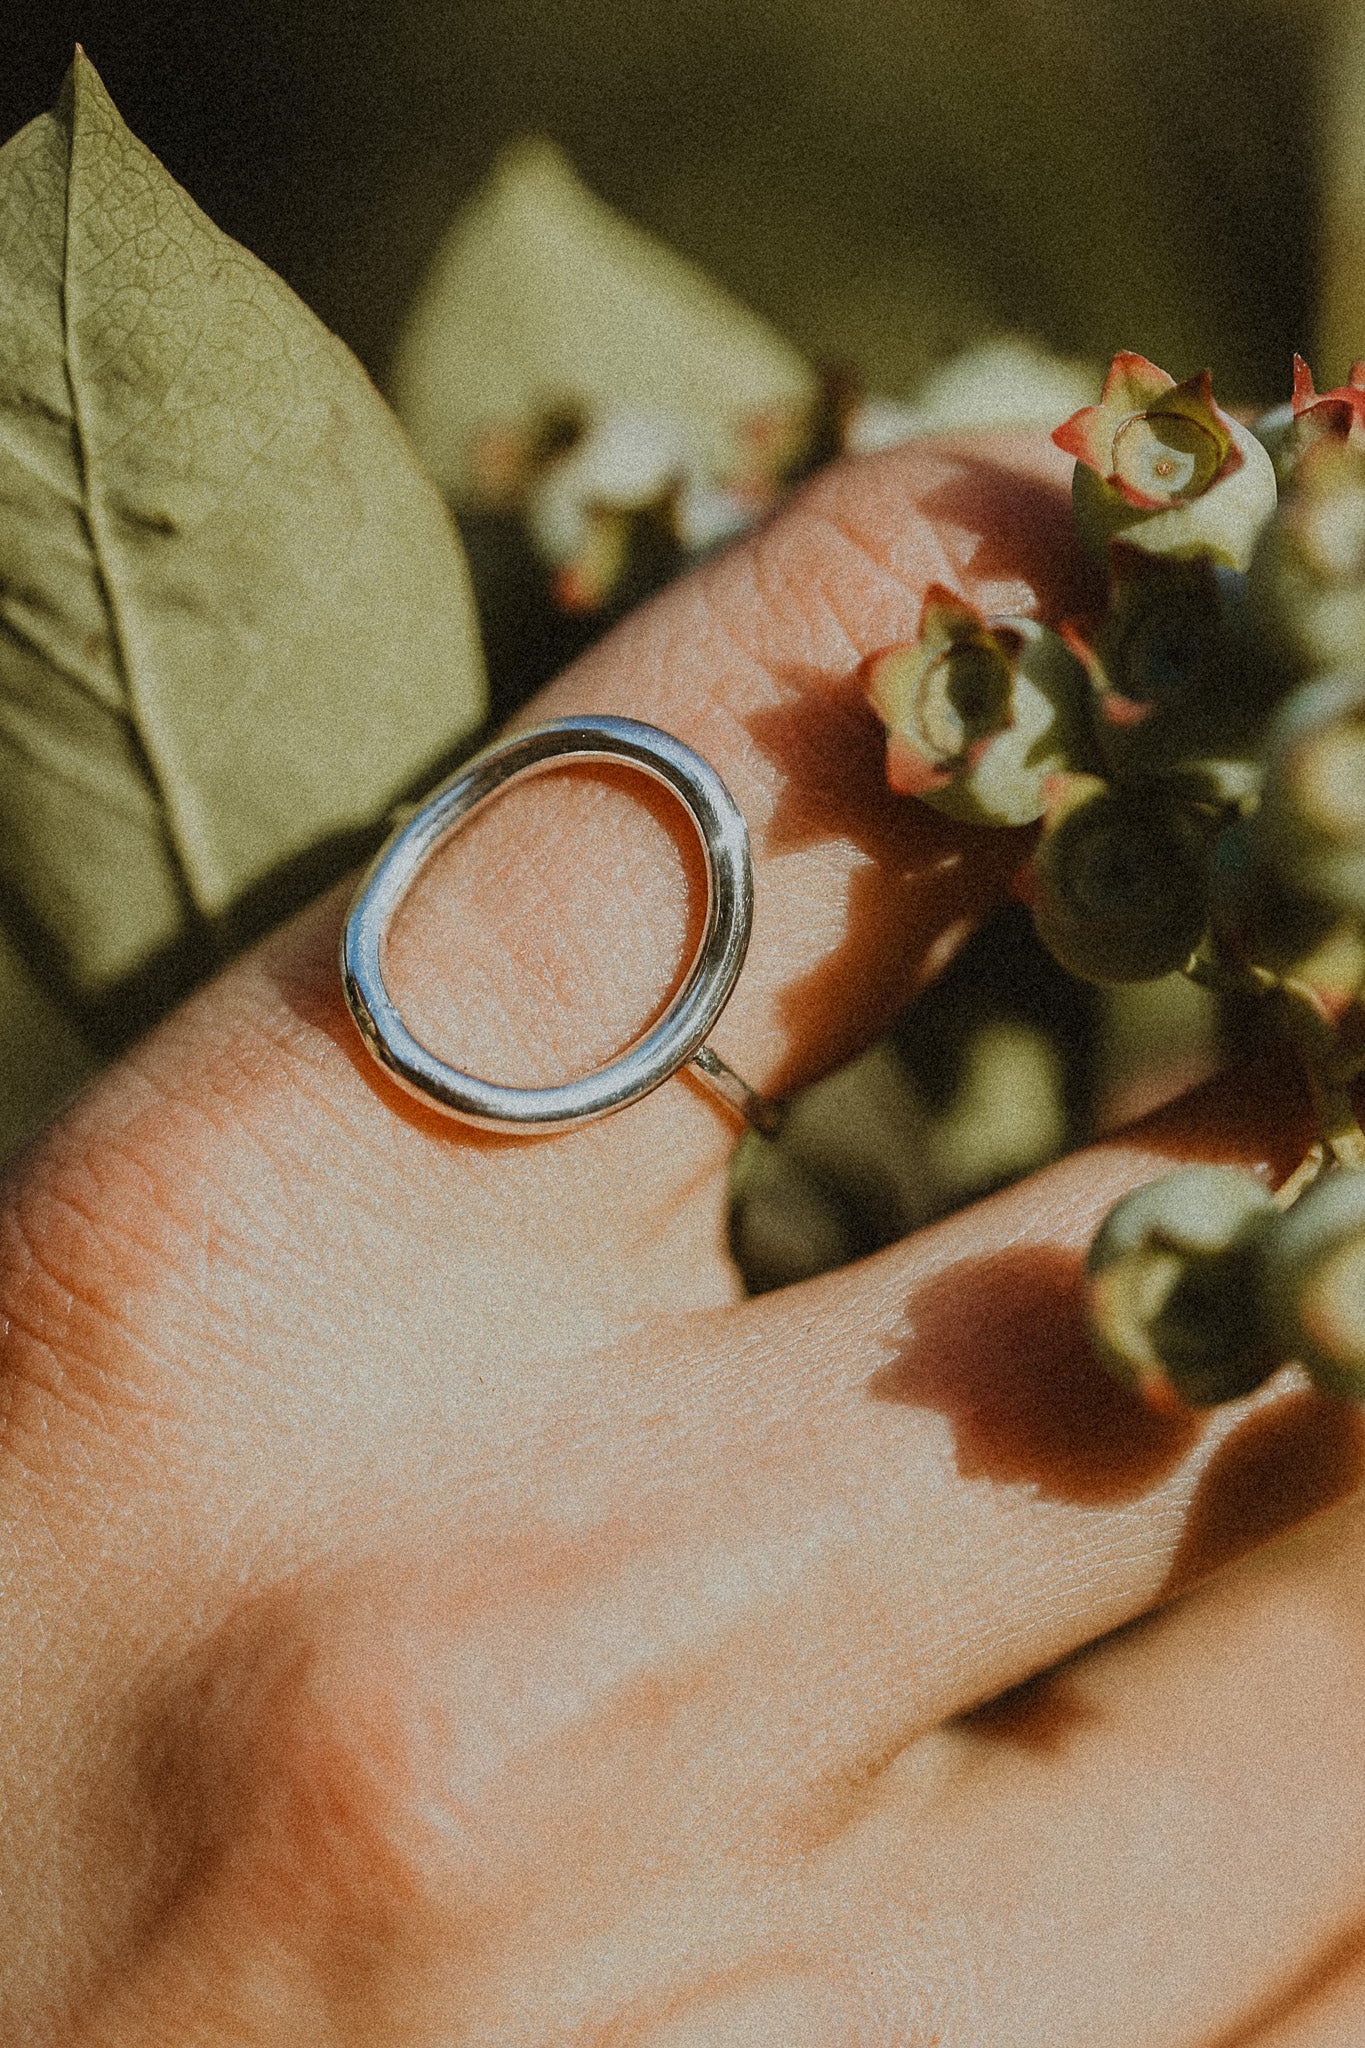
(439, 1610)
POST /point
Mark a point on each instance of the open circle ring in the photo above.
(675, 1040)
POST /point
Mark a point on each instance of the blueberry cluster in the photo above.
(1193, 758)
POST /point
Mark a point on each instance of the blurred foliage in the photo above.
(889, 185)
(1339, 121)
(45, 1059)
(992, 1073)
(542, 299)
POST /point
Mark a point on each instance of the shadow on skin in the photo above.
(828, 747)
(1337, 1961)
(1257, 1113)
(999, 1347)
(1020, 527)
(1040, 1715)
(926, 876)
(1281, 1465)
(922, 874)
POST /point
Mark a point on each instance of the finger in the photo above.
(544, 938)
(945, 1425)
(1160, 1842)
(869, 1502)
(577, 889)
(859, 891)
(248, 1170)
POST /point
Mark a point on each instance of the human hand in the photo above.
(439, 1610)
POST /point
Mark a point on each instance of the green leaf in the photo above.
(235, 622)
(541, 297)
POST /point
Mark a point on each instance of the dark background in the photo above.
(885, 181)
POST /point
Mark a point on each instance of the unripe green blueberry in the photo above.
(1315, 1276)
(1163, 641)
(1120, 884)
(1174, 1290)
(1180, 684)
(1307, 575)
(1313, 417)
(1311, 824)
(1274, 429)
(980, 716)
(1221, 518)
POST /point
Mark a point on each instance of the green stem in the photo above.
(1328, 1069)
(1315, 1035)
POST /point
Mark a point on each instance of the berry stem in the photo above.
(1320, 1048)
(1302, 1178)
(1310, 1027)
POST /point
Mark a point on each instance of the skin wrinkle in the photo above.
(828, 594)
(895, 1653)
(662, 1218)
(753, 565)
(1269, 1963)
(157, 1366)
(246, 1065)
(164, 1262)
(60, 1309)
(850, 539)
(883, 551)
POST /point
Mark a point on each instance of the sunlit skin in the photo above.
(438, 1610)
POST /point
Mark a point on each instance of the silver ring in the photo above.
(675, 1041)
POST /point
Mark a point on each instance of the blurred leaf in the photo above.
(1008, 1116)
(1008, 381)
(850, 1170)
(1156, 1038)
(1341, 314)
(785, 1225)
(541, 297)
(234, 619)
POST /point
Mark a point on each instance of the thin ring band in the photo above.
(674, 1041)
